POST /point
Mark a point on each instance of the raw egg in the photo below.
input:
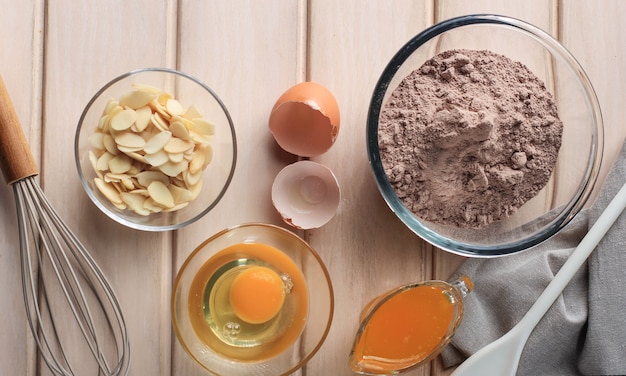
(257, 294)
(306, 194)
(305, 119)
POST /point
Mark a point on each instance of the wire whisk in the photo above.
(70, 306)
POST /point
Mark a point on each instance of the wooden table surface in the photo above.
(54, 55)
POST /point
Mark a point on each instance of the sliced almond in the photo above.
(199, 138)
(203, 126)
(176, 145)
(146, 177)
(108, 191)
(192, 179)
(111, 104)
(195, 190)
(157, 142)
(137, 166)
(174, 107)
(117, 186)
(159, 122)
(207, 150)
(147, 88)
(103, 161)
(147, 134)
(179, 194)
(120, 164)
(197, 162)
(103, 121)
(128, 150)
(163, 97)
(142, 191)
(176, 157)
(109, 144)
(96, 140)
(123, 120)
(160, 194)
(179, 130)
(152, 206)
(110, 177)
(157, 159)
(137, 157)
(192, 112)
(143, 118)
(120, 206)
(160, 109)
(135, 202)
(130, 140)
(136, 98)
(128, 184)
(93, 160)
(105, 124)
(173, 169)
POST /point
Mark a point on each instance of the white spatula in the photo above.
(501, 357)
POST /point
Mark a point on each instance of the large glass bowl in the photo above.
(320, 302)
(579, 158)
(188, 91)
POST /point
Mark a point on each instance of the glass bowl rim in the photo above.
(114, 216)
(310, 250)
(387, 191)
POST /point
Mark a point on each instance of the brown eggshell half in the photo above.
(305, 119)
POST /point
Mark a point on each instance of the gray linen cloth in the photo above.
(584, 332)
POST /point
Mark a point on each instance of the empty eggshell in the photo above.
(305, 119)
(306, 194)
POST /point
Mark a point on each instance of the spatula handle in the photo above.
(16, 160)
(576, 259)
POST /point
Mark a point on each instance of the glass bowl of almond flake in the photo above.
(155, 149)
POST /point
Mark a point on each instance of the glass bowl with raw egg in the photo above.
(254, 299)
(484, 135)
(155, 149)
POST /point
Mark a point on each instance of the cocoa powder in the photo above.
(468, 138)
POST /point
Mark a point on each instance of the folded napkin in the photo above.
(584, 332)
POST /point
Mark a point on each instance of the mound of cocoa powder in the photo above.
(468, 138)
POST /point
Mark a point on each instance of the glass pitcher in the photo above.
(408, 326)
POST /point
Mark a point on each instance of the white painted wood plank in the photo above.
(367, 250)
(595, 34)
(88, 44)
(248, 52)
(21, 50)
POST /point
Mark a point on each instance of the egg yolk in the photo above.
(257, 294)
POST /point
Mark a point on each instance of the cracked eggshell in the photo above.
(306, 194)
(305, 119)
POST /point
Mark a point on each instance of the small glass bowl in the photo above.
(187, 90)
(320, 302)
(579, 158)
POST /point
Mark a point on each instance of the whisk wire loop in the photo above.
(30, 285)
(53, 258)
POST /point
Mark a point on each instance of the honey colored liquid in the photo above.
(214, 320)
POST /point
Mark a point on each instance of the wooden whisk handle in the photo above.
(16, 160)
